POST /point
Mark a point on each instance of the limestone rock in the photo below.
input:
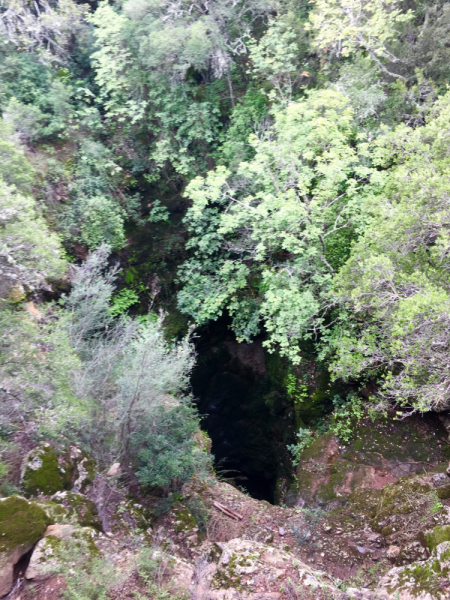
(44, 472)
(254, 571)
(22, 524)
(44, 561)
(424, 580)
(40, 471)
(410, 553)
(113, 470)
(330, 473)
(81, 507)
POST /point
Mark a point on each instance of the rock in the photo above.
(439, 479)
(281, 531)
(114, 470)
(410, 553)
(44, 472)
(45, 561)
(441, 533)
(81, 507)
(245, 562)
(393, 551)
(22, 524)
(330, 473)
(83, 474)
(177, 575)
(424, 580)
(40, 472)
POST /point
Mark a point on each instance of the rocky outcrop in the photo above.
(45, 560)
(424, 580)
(79, 506)
(44, 471)
(379, 454)
(22, 524)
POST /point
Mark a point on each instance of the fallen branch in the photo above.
(231, 513)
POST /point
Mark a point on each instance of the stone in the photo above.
(79, 506)
(393, 551)
(22, 524)
(40, 473)
(439, 479)
(44, 561)
(114, 470)
(412, 552)
(420, 580)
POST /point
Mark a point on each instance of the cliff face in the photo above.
(367, 520)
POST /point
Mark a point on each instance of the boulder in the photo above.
(249, 569)
(82, 508)
(40, 472)
(45, 560)
(422, 580)
(113, 470)
(22, 524)
(379, 454)
(46, 472)
(79, 467)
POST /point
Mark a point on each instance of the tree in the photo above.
(135, 381)
(267, 242)
(42, 26)
(345, 26)
(29, 253)
(156, 62)
(395, 284)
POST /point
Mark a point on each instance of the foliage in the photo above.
(135, 379)
(395, 282)
(88, 575)
(42, 26)
(267, 242)
(345, 26)
(345, 415)
(29, 253)
(123, 300)
(273, 60)
(165, 448)
(14, 167)
(305, 439)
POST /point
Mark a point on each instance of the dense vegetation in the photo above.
(286, 161)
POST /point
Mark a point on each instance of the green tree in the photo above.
(346, 26)
(395, 284)
(267, 242)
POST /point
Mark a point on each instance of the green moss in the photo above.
(21, 523)
(420, 579)
(184, 519)
(41, 473)
(89, 465)
(317, 448)
(443, 492)
(84, 509)
(440, 534)
(54, 511)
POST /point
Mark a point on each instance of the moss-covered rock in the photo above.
(40, 471)
(46, 472)
(48, 555)
(79, 469)
(79, 506)
(425, 579)
(437, 536)
(22, 524)
(378, 455)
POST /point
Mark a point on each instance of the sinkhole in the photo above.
(244, 410)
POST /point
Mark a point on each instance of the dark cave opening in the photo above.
(247, 416)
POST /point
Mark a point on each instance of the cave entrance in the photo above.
(246, 414)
